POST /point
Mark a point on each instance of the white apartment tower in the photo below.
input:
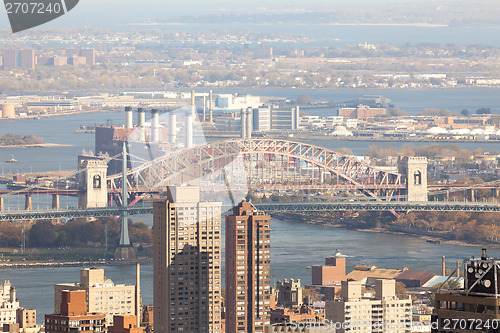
(383, 313)
(8, 303)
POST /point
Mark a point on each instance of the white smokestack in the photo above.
(128, 117)
(189, 130)
(172, 135)
(249, 123)
(155, 126)
(243, 124)
(211, 107)
(204, 108)
(193, 105)
(141, 119)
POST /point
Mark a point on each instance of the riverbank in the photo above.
(108, 262)
(430, 238)
(352, 224)
(36, 145)
(310, 137)
(50, 115)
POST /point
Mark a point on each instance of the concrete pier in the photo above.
(55, 201)
(27, 202)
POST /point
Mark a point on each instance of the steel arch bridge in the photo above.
(273, 163)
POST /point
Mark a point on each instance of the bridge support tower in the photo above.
(93, 183)
(27, 202)
(471, 195)
(124, 251)
(55, 201)
(415, 170)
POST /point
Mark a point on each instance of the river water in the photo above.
(294, 246)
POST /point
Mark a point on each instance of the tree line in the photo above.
(16, 139)
(76, 233)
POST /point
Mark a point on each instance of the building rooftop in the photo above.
(366, 274)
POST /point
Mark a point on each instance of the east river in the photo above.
(294, 246)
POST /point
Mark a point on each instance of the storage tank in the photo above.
(8, 110)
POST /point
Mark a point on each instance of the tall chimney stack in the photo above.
(243, 124)
(172, 129)
(138, 293)
(189, 130)
(141, 119)
(128, 117)
(444, 267)
(204, 107)
(249, 122)
(193, 105)
(210, 106)
(155, 126)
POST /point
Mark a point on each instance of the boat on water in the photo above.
(12, 160)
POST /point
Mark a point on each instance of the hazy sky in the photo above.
(108, 12)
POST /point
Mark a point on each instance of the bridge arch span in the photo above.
(266, 160)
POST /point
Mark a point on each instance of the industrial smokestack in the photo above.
(155, 126)
(141, 119)
(243, 123)
(193, 105)
(296, 117)
(128, 117)
(210, 106)
(172, 135)
(189, 130)
(204, 107)
(443, 266)
(249, 123)
(458, 268)
(483, 254)
(138, 293)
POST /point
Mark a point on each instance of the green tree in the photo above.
(42, 234)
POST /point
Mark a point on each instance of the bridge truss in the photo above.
(373, 205)
(262, 164)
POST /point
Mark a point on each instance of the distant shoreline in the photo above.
(36, 145)
(429, 25)
(42, 264)
(425, 25)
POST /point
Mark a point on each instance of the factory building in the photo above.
(361, 112)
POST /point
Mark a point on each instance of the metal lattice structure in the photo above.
(268, 162)
(369, 205)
